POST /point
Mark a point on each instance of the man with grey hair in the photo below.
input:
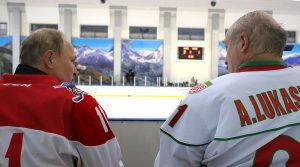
(246, 118)
(44, 119)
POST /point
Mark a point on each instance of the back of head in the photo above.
(266, 36)
(38, 42)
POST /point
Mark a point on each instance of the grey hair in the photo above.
(265, 34)
(38, 42)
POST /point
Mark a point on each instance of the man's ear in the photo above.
(244, 42)
(48, 58)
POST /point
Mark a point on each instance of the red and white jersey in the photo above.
(243, 119)
(45, 123)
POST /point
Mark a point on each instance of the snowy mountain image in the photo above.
(94, 57)
(97, 58)
(145, 58)
(222, 67)
(292, 59)
(5, 55)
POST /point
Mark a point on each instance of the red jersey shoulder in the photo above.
(200, 87)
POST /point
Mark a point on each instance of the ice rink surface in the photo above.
(137, 103)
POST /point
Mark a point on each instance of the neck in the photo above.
(256, 58)
(263, 57)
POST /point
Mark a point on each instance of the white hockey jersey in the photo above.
(244, 119)
(44, 123)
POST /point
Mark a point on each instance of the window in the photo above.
(38, 26)
(291, 37)
(92, 31)
(191, 34)
(142, 32)
(3, 29)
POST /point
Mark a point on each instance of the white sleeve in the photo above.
(105, 155)
(94, 140)
(187, 132)
(176, 154)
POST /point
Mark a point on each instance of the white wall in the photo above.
(138, 16)
(93, 16)
(3, 13)
(184, 70)
(90, 16)
(290, 22)
(42, 14)
(25, 30)
(125, 26)
(231, 17)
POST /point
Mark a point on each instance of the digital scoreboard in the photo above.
(190, 53)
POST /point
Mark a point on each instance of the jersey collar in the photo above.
(26, 69)
(261, 66)
(27, 78)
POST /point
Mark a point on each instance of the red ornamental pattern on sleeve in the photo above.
(200, 87)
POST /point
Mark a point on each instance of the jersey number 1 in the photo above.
(177, 116)
(13, 152)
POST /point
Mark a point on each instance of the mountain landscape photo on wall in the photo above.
(95, 58)
(222, 67)
(145, 58)
(5, 54)
(291, 56)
